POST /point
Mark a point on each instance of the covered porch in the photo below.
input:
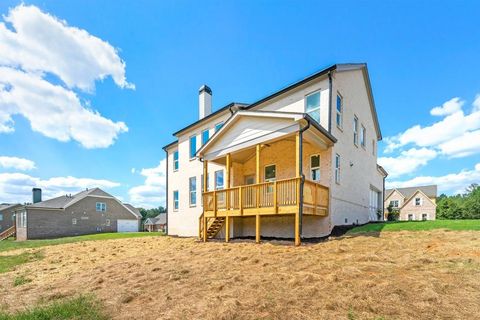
(281, 171)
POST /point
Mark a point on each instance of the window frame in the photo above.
(392, 202)
(203, 136)
(419, 201)
(424, 216)
(265, 172)
(355, 130)
(176, 200)
(312, 168)
(176, 162)
(103, 206)
(219, 126)
(412, 217)
(192, 191)
(74, 221)
(1, 216)
(216, 187)
(363, 136)
(337, 168)
(339, 114)
(190, 146)
(108, 222)
(317, 108)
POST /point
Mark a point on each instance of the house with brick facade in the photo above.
(413, 203)
(291, 165)
(87, 212)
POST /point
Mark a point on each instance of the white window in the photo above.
(107, 222)
(101, 206)
(355, 130)
(205, 136)
(74, 220)
(394, 203)
(22, 219)
(315, 167)
(363, 137)
(312, 105)
(1, 216)
(418, 201)
(218, 126)
(193, 146)
(339, 111)
(175, 200)
(193, 191)
(175, 160)
(410, 217)
(270, 173)
(424, 216)
(219, 180)
(337, 168)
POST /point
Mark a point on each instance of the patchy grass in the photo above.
(18, 281)
(7, 263)
(11, 244)
(83, 307)
(418, 226)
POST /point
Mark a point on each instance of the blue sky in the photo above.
(420, 55)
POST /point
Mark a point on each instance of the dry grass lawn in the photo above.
(394, 275)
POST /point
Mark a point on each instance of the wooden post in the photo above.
(215, 203)
(204, 229)
(205, 175)
(275, 205)
(257, 175)
(297, 155)
(257, 228)
(240, 200)
(227, 181)
(227, 228)
(297, 228)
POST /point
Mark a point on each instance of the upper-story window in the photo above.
(312, 105)
(219, 179)
(175, 160)
(193, 191)
(363, 137)
(193, 146)
(218, 126)
(205, 136)
(337, 168)
(175, 200)
(394, 203)
(101, 206)
(418, 201)
(315, 167)
(339, 118)
(355, 130)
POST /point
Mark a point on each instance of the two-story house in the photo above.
(413, 203)
(291, 165)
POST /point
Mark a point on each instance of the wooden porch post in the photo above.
(227, 196)
(205, 176)
(257, 193)
(257, 164)
(205, 189)
(204, 229)
(297, 170)
(257, 228)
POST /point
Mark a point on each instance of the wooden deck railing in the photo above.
(276, 197)
(8, 233)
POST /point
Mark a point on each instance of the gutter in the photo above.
(166, 195)
(329, 101)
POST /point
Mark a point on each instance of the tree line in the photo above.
(460, 206)
(151, 213)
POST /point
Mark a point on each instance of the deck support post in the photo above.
(205, 229)
(227, 228)
(257, 228)
(205, 176)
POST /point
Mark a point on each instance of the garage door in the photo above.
(127, 225)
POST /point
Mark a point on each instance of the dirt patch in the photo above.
(397, 275)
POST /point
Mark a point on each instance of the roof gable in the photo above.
(414, 195)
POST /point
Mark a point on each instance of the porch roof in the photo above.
(247, 128)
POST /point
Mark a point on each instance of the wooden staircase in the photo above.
(213, 227)
(7, 233)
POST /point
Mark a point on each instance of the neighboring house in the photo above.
(7, 215)
(87, 212)
(415, 203)
(157, 223)
(291, 165)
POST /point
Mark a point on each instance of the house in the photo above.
(158, 223)
(291, 165)
(87, 212)
(415, 203)
(7, 215)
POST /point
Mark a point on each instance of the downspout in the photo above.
(330, 101)
(302, 176)
(166, 195)
(383, 200)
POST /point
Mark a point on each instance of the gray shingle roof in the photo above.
(430, 191)
(160, 219)
(133, 209)
(5, 206)
(63, 201)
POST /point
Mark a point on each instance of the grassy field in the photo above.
(385, 275)
(418, 226)
(83, 307)
(11, 244)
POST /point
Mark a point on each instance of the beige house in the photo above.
(415, 203)
(87, 212)
(291, 165)
(155, 224)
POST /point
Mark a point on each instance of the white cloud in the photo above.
(16, 163)
(455, 126)
(17, 187)
(152, 192)
(133, 170)
(408, 161)
(40, 46)
(453, 183)
(449, 107)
